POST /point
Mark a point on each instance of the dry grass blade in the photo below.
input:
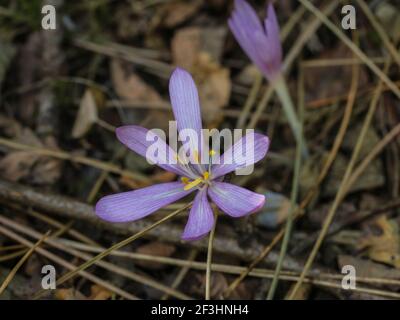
(182, 273)
(342, 188)
(317, 279)
(14, 270)
(103, 264)
(66, 264)
(381, 32)
(118, 245)
(310, 194)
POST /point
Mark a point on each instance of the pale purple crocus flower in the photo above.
(207, 182)
(260, 42)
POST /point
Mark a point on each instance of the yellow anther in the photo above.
(192, 184)
(206, 175)
(212, 152)
(185, 180)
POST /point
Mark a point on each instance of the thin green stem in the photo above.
(293, 196)
(283, 93)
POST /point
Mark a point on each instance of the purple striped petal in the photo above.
(135, 138)
(248, 15)
(245, 36)
(134, 205)
(201, 218)
(186, 108)
(261, 44)
(235, 201)
(238, 157)
(272, 30)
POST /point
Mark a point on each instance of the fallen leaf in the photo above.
(155, 248)
(99, 293)
(214, 88)
(87, 115)
(17, 165)
(176, 12)
(130, 86)
(199, 50)
(188, 43)
(385, 247)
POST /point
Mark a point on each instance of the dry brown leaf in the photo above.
(87, 115)
(99, 293)
(18, 165)
(198, 50)
(177, 12)
(188, 43)
(155, 248)
(214, 88)
(130, 86)
(385, 247)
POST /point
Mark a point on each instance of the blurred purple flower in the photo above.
(261, 43)
(233, 200)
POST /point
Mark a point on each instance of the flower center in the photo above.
(189, 184)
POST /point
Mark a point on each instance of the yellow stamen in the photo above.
(206, 175)
(192, 184)
(212, 152)
(185, 180)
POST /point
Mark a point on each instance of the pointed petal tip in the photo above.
(270, 9)
(179, 72)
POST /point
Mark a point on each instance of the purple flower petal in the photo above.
(133, 205)
(135, 138)
(248, 15)
(233, 200)
(272, 30)
(236, 157)
(201, 218)
(186, 108)
(262, 45)
(244, 34)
